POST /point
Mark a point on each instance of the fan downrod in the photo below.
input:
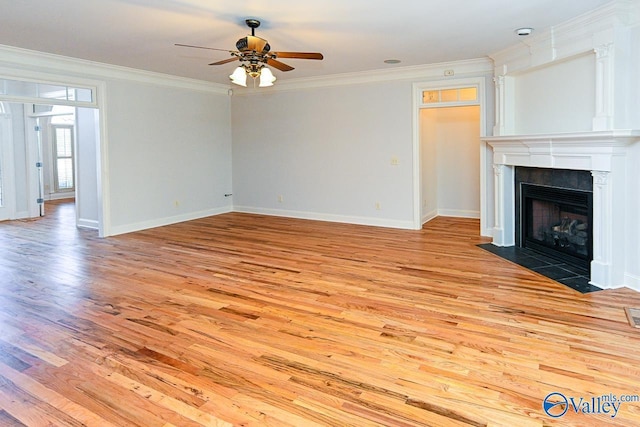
(253, 24)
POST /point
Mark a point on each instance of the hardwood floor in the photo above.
(250, 320)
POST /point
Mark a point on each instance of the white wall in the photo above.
(428, 165)
(333, 149)
(557, 98)
(327, 151)
(21, 177)
(7, 186)
(628, 117)
(165, 153)
(169, 154)
(627, 83)
(632, 225)
(452, 135)
(87, 140)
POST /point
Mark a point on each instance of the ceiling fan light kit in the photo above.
(254, 54)
(266, 78)
(239, 77)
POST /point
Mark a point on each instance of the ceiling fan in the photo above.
(254, 53)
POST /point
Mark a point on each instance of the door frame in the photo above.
(7, 166)
(98, 102)
(418, 88)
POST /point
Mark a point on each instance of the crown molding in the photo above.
(465, 68)
(577, 36)
(36, 63)
(41, 62)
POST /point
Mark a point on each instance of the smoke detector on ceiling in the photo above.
(525, 31)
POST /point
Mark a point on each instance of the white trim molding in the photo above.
(316, 216)
(463, 69)
(604, 34)
(504, 205)
(581, 34)
(130, 228)
(88, 223)
(604, 86)
(478, 81)
(34, 64)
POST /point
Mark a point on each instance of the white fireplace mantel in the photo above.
(580, 151)
(604, 154)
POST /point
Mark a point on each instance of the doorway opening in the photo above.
(50, 148)
(449, 121)
(450, 138)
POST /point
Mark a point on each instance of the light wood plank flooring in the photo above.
(250, 320)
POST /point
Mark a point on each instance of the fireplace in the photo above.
(557, 222)
(607, 162)
(554, 213)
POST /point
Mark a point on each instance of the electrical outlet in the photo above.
(448, 73)
(280, 199)
(176, 203)
(378, 206)
(395, 161)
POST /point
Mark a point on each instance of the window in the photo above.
(26, 90)
(459, 95)
(63, 158)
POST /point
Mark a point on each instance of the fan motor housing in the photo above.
(243, 45)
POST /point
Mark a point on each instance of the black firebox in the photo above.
(557, 222)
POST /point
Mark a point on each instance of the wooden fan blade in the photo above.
(279, 65)
(225, 61)
(202, 47)
(300, 55)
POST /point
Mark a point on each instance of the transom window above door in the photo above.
(450, 95)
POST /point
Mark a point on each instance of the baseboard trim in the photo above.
(159, 222)
(375, 222)
(59, 196)
(88, 223)
(429, 216)
(459, 213)
(632, 282)
(347, 219)
(23, 215)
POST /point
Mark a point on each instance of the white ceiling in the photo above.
(353, 35)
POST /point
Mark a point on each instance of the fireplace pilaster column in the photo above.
(602, 229)
(504, 228)
(504, 92)
(604, 83)
(498, 128)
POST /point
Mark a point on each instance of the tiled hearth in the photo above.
(604, 155)
(574, 277)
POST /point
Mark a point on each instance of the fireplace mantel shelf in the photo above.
(591, 151)
(595, 136)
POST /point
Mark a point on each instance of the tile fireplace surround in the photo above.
(609, 156)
